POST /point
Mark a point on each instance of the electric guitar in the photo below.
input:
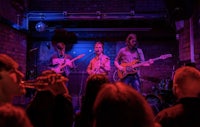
(61, 63)
(130, 68)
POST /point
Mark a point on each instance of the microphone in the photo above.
(48, 45)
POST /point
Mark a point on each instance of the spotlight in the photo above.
(40, 26)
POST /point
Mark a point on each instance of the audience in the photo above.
(104, 104)
(51, 106)
(11, 116)
(186, 88)
(10, 79)
(93, 84)
(119, 105)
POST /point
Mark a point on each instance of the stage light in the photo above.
(40, 26)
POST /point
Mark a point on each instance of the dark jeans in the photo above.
(133, 80)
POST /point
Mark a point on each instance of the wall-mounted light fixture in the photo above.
(40, 26)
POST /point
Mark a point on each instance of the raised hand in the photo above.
(56, 82)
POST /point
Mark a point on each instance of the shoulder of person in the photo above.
(122, 49)
(67, 56)
(139, 50)
(93, 59)
(169, 112)
(54, 56)
(106, 57)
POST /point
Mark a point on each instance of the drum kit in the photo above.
(158, 93)
(161, 95)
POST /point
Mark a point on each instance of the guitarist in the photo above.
(100, 64)
(129, 54)
(59, 40)
(64, 58)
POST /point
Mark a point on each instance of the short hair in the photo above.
(184, 73)
(94, 82)
(11, 116)
(7, 63)
(119, 105)
(93, 86)
(99, 42)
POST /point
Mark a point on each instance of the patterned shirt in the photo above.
(59, 61)
(99, 65)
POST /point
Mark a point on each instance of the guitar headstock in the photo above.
(80, 56)
(165, 56)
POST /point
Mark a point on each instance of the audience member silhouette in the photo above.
(10, 79)
(93, 84)
(11, 116)
(10, 86)
(119, 105)
(51, 106)
(186, 112)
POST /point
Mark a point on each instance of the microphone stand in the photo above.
(32, 70)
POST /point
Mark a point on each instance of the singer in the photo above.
(100, 64)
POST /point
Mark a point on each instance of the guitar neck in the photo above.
(129, 67)
(145, 62)
(72, 60)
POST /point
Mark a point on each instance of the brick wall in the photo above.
(196, 22)
(14, 44)
(184, 41)
(12, 41)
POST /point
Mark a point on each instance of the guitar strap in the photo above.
(66, 70)
(138, 54)
(138, 73)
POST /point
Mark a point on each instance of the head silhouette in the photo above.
(119, 105)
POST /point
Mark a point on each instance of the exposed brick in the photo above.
(13, 43)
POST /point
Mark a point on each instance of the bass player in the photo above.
(130, 55)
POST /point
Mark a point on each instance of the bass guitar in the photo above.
(61, 63)
(130, 68)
